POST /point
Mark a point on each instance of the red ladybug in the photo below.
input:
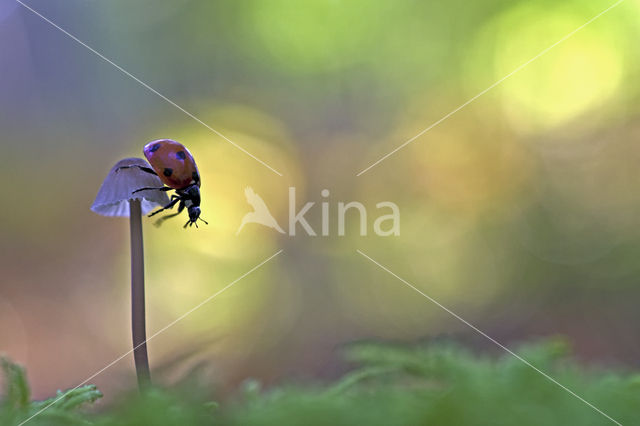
(176, 168)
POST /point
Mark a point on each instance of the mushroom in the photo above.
(116, 198)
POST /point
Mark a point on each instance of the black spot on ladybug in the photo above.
(167, 171)
(181, 155)
(155, 147)
(195, 176)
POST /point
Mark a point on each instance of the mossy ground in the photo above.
(430, 384)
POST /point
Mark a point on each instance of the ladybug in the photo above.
(174, 165)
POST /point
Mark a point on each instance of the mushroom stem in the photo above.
(137, 296)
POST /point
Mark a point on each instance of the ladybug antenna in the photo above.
(205, 222)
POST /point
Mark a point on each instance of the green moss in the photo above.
(440, 384)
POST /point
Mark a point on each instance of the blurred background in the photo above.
(518, 212)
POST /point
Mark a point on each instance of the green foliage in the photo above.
(442, 384)
(16, 405)
(160, 408)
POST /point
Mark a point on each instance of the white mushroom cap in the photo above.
(116, 190)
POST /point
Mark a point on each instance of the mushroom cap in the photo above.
(116, 190)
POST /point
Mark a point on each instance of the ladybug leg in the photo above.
(143, 168)
(168, 206)
(163, 218)
(162, 188)
(169, 216)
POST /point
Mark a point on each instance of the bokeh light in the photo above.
(518, 211)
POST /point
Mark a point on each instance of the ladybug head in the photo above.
(194, 213)
(191, 195)
(194, 216)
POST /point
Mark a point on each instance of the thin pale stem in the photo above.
(137, 296)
